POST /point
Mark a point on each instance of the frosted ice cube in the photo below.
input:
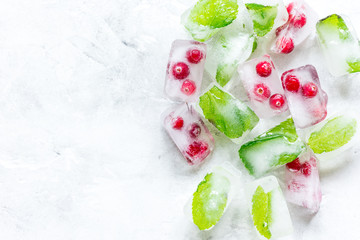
(185, 70)
(189, 133)
(228, 114)
(213, 196)
(262, 83)
(301, 23)
(307, 100)
(268, 208)
(340, 44)
(303, 183)
(229, 47)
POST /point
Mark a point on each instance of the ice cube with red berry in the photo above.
(301, 23)
(185, 70)
(263, 86)
(303, 183)
(189, 133)
(307, 100)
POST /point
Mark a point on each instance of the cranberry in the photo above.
(290, 7)
(262, 91)
(277, 101)
(285, 45)
(298, 21)
(294, 166)
(263, 69)
(188, 87)
(306, 169)
(197, 148)
(309, 90)
(180, 70)
(292, 83)
(178, 123)
(194, 130)
(279, 29)
(194, 55)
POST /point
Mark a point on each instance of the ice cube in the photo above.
(212, 197)
(266, 15)
(302, 182)
(301, 23)
(185, 70)
(307, 100)
(272, 149)
(189, 133)
(332, 138)
(340, 44)
(268, 208)
(262, 83)
(228, 114)
(229, 47)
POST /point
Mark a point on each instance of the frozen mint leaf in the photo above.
(229, 115)
(333, 24)
(263, 17)
(224, 73)
(286, 129)
(333, 135)
(269, 152)
(354, 65)
(209, 200)
(261, 212)
(214, 13)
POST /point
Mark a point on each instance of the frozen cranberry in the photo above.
(194, 130)
(194, 55)
(285, 45)
(279, 29)
(292, 83)
(180, 70)
(306, 169)
(298, 20)
(178, 123)
(277, 101)
(264, 69)
(197, 149)
(294, 166)
(309, 90)
(262, 92)
(188, 87)
(290, 7)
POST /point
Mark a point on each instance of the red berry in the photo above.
(285, 45)
(306, 169)
(279, 29)
(196, 148)
(290, 7)
(194, 130)
(309, 90)
(294, 166)
(263, 69)
(291, 83)
(262, 92)
(298, 21)
(188, 87)
(178, 123)
(194, 55)
(180, 70)
(277, 101)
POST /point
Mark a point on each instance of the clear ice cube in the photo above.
(263, 86)
(301, 23)
(307, 100)
(189, 133)
(340, 44)
(303, 183)
(185, 70)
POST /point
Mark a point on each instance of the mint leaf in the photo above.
(354, 65)
(214, 13)
(261, 211)
(229, 115)
(286, 129)
(209, 200)
(224, 73)
(333, 135)
(333, 24)
(263, 17)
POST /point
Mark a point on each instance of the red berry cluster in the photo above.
(262, 91)
(292, 84)
(181, 70)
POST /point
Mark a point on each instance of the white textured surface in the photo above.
(82, 151)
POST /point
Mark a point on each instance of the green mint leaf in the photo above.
(261, 211)
(263, 17)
